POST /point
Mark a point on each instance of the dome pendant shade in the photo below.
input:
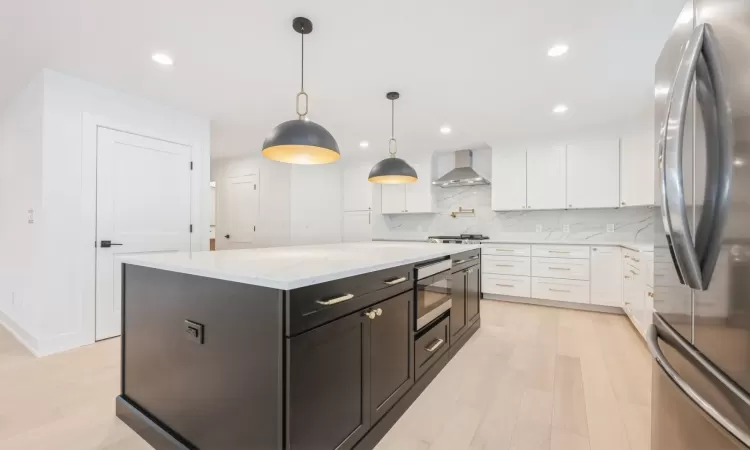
(301, 142)
(392, 171)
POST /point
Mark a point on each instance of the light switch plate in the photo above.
(610, 228)
(566, 228)
(538, 228)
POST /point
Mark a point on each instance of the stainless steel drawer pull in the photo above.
(505, 285)
(396, 280)
(459, 261)
(558, 290)
(504, 265)
(333, 301)
(504, 250)
(559, 268)
(633, 272)
(636, 260)
(558, 251)
(434, 345)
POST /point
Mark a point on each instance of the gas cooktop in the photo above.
(460, 239)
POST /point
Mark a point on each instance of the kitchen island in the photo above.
(294, 348)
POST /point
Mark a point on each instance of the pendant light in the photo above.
(392, 170)
(301, 141)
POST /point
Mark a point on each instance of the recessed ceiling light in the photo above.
(557, 50)
(162, 58)
(445, 129)
(559, 109)
(364, 144)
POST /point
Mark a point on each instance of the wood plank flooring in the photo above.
(532, 378)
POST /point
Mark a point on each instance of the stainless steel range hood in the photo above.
(464, 174)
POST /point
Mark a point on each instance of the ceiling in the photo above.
(479, 65)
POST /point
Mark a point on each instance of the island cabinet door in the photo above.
(472, 294)
(391, 353)
(458, 305)
(328, 395)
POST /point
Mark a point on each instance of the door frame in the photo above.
(90, 125)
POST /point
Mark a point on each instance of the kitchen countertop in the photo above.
(294, 267)
(638, 247)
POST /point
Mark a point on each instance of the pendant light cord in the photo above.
(302, 93)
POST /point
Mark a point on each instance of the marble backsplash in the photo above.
(629, 225)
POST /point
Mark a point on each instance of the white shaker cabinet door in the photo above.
(419, 193)
(357, 189)
(593, 174)
(393, 199)
(545, 177)
(508, 180)
(357, 226)
(606, 276)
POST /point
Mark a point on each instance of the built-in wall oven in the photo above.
(433, 291)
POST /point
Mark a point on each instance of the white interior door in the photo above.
(142, 206)
(243, 208)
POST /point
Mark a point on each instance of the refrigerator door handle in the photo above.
(675, 216)
(713, 100)
(661, 329)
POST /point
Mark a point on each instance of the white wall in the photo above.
(60, 286)
(274, 199)
(21, 190)
(316, 209)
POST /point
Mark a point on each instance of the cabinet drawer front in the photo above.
(429, 346)
(516, 286)
(506, 249)
(566, 268)
(564, 290)
(506, 265)
(561, 251)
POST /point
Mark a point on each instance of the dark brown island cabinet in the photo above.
(214, 364)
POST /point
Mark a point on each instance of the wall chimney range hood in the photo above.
(463, 175)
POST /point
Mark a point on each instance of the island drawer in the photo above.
(311, 306)
(430, 346)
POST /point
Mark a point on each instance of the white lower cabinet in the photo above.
(574, 291)
(506, 265)
(516, 286)
(568, 268)
(606, 276)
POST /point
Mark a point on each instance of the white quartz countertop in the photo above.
(294, 267)
(638, 247)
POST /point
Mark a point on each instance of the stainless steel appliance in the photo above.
(432, 291)
(463, 174)
(460, 239)
(700, 337)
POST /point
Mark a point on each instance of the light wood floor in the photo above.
(531, 378)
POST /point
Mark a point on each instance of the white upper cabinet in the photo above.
(412, 197)
(593, 174)
(357, 195)
(638, 166)
(393, 199)
(545, 177)
(508, 180)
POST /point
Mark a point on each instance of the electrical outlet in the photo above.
(566, 228)
(30, 216)
(610, 228)
(538, 228)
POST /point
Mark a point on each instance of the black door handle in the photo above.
(226, 236)
(108, 244)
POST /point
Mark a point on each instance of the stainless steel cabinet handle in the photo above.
(396, 280)
(504, 265)
(503, 250)
(379, 312)
(559, 268)
(673, 338)
(558, 251)
(333, 301)
(505, 285)
(459, 261)
(636, 260)
(370, 315)
(434, 345)
(634, 272)
(558, 290)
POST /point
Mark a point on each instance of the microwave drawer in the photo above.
(430, 346)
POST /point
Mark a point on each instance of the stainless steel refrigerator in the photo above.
(700, 339)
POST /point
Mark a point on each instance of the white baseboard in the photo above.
(556, 304)
(23, 336)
